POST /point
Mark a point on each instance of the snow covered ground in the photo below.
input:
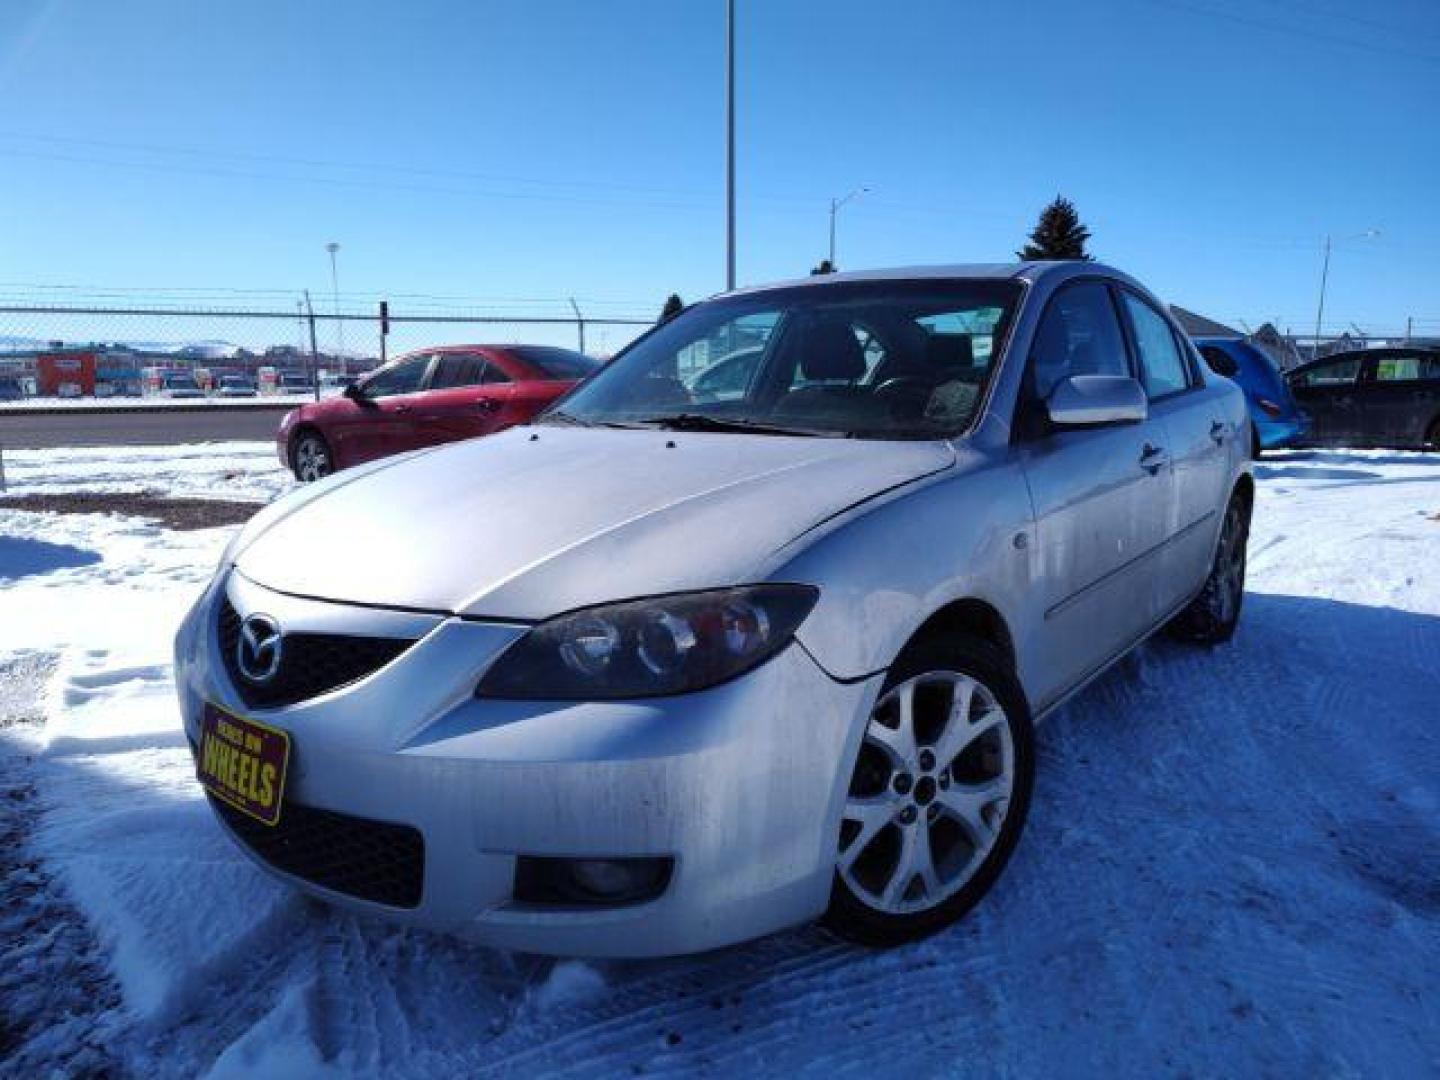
(1232, 864)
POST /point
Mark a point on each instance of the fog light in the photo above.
(590, 882)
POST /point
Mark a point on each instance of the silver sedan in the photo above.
(691, 659)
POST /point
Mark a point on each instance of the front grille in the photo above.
(370, 860)
(310, 664)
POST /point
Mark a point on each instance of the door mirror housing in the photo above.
(1094, 400)
(356, 393)
(1222, 363)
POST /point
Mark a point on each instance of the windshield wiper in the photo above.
(702, 422)
(560, 418)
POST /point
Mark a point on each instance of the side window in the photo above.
(1407, 368)
(1335, 373)
(493, 374)
(402, 377)
(1078, 335)
(1162, 365)
(458, 369)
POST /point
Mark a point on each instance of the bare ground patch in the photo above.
(174, 513)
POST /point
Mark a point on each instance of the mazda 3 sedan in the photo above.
(670, 668)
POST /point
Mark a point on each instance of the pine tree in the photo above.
(673, 306)
(1058, 234)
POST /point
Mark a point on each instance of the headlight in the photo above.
(645, 648)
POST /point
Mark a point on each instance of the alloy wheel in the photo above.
(930, 793)
(312, 459)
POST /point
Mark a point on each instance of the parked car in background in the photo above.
(236, 386)
(180, 386)
(426, 398)
(294, 382)
(1275, 417)
(1372, 397)
(11, 389)
(654, 675)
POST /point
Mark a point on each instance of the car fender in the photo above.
(888, 565)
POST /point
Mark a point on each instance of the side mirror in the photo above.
(356, 393)
(1092, 400)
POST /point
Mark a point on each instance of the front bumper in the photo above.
(741, 785)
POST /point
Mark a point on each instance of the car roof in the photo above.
(1011, 271)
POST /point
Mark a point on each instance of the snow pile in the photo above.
(1230, 865)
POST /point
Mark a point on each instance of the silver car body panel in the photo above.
(1082, 543)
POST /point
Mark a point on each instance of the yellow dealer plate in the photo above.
(242, 763)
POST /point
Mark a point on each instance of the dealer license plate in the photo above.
(242, 763)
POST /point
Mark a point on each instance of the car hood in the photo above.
(539, 520)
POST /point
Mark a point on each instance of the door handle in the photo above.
(1153, 459)
(487, 404)
(1217, 432)
(402, 408)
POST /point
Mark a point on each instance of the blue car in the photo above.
(1276, 419)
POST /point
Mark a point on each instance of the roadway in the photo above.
(138, 427)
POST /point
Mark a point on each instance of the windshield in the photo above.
(555, 363)
(866, 359)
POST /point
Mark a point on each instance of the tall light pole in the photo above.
(835, 205)
(729, 144)
(334, 249)
(1368, 234)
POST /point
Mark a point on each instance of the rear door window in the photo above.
(1407, 368)
(1162, 365)
(458, 369)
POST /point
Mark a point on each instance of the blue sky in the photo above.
(547, 149)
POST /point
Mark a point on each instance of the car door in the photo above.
(1329, 392)
(384, 422)
(465, 399)
(1400, 398)
(1198, 437)
(1101, 497)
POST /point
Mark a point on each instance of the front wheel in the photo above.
(310, 458)
(1212, 616)
(938, 797)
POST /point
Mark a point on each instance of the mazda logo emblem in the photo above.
(258, 651)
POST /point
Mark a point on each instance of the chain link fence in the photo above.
(60, 350)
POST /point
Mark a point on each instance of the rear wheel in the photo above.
(1432, 437)
(310, 458)
(938, 797)
(1212, 616)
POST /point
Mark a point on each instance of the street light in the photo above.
(334, 249)
(835, 205)
(729, 145)
(1368, 234)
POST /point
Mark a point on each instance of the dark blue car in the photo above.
(1276, 418)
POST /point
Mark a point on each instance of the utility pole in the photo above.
(314, 349)
(1409, 327)
(835, 205)
(729, 144)
(1368, 234)
(1320, 310)
(334, 249)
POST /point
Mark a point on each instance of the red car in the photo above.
(426, 398)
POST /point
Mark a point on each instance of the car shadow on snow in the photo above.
(22, 557)
(1227, 849)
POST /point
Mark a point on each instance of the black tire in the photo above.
(853, 917)
(1211, 618)
(310, 456)
(1255, 448)
(1432, 437)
